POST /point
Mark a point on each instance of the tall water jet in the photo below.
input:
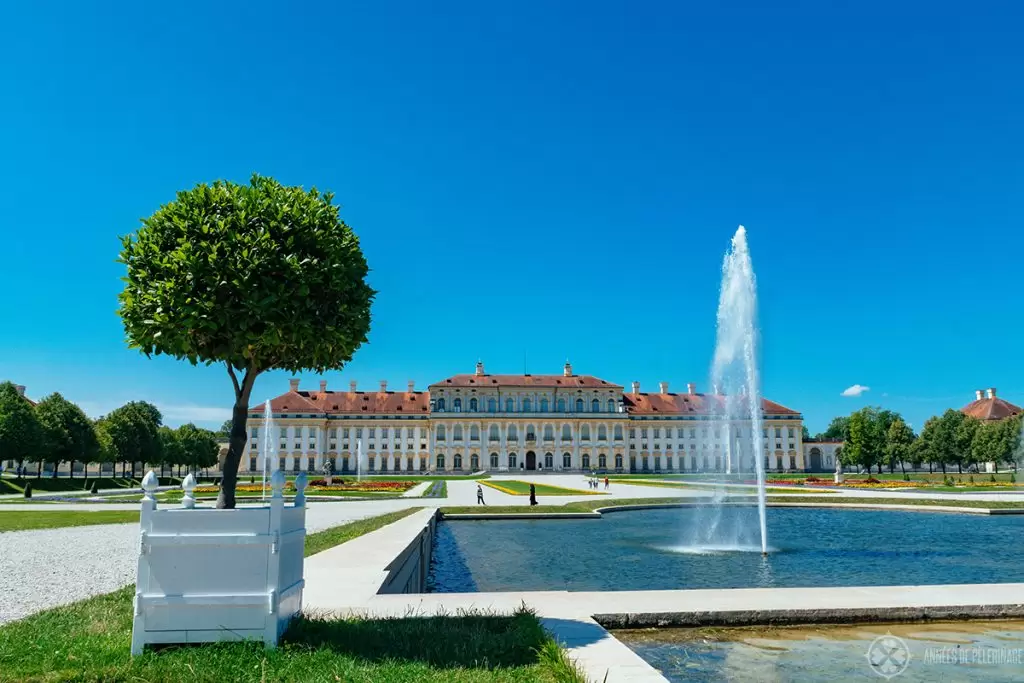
(734, 370)
(269, 448)
(359, 460)
(735, 409)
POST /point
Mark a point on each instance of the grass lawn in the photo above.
(515, 487)
(91, 640)
(21, 520)
(80, 483)
(328, 538)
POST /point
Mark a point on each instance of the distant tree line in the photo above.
(56, 431)
(873, 437)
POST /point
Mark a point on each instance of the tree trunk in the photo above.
(71, 470)
(943, 466)
(930, 470)
(39, 469)
(959, 468)
(53, 472)
(236, 444)
(903, 467)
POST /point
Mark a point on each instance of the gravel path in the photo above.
(53, 567)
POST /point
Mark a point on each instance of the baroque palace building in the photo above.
(474, 422)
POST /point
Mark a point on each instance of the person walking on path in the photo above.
(533, 494)
(606, 483)
(480, 495)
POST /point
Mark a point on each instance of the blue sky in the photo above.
(541, 180)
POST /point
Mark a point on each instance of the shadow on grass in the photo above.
(465, 640)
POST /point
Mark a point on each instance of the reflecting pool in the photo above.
(948, 652)
(643, 550)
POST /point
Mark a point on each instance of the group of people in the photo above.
(594, 482)
(480, 495)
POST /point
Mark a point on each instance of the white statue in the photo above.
(839, 471)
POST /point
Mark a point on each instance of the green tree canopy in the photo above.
(21, 435)
(225, 430)
(899, 441)
(134, 433)
(258, 277)
(171, 452)
(69, 435)
(199, 446)
(838, 429)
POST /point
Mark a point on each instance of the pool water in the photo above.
(640, 550)
(908, 653)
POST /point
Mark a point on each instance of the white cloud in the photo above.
(855, 390)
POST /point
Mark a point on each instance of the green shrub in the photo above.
(28, 490)
(971, 479)
(906, 477)
(992, 478)
(1013, 478)
(948, 481)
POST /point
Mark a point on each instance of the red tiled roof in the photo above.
(359, 402)
(990, 409)
(688, 404)
(574, 381)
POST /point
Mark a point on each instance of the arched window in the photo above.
(579, 405)
(494, 461)
(526, 405)
(561, 405)
(440, 432)
(549, 434)
(549, 461)
(543, 405)
(510, 405)
(457, 405)
(474, 433)
(457, 432)
(473, 405)
(602, 461)
(513, 433)
(440, 461)
(492, 405)
(618, 432)
(595, 406)
(611, 405)
(618, 461)
(531, 434)
(493, 434)
(602, 433)
(474, 462)
(586, 461)
(458, 461)
(512, 460)
(566, 433)
(440, 405)
(585, 432)
(566, 461)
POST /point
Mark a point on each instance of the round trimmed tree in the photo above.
(258, 277)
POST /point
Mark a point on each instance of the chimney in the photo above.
(691, 388)
(412, 384)
(663, 387)
(479, 369)
(383, 386)
(323, 386)
(636, 387)
(352, 387)
(21, 389)
(293, 384)
(979, 394)
(567, 369)
(992, 392)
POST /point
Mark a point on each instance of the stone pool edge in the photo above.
(597, 513)
(379, 575)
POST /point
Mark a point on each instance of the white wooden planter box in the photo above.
(208, 575)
